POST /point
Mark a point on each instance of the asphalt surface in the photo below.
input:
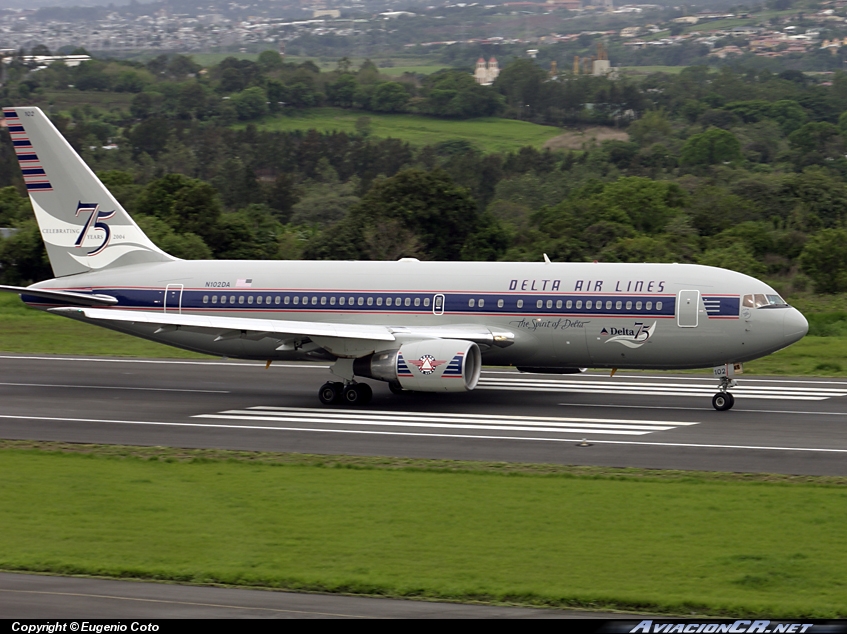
(45, 597)
(784, 425)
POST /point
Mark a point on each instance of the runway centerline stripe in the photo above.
(370, 432)
(229, 364)
(706, 409)
(115, 387)
(628, 430)
(506, 388)
(359, 413)
(616, 384)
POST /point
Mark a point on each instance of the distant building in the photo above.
(326, 13)
(486, 73)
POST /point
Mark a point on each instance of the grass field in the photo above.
(488, 134)
(679, 543)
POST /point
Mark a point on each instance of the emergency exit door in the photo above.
(688, 309)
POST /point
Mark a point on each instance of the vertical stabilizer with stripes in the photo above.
(83, 227)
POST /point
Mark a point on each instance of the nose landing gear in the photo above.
(723, 400)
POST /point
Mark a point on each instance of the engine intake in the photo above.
(433, 365)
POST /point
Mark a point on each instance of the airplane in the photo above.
(417, 325)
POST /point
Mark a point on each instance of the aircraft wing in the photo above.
(350, 340)
(62, 296)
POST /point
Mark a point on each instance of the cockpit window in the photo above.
(762, 300)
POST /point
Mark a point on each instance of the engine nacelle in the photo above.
(433, 365)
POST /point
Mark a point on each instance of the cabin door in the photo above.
(173, 298)
(688, 309)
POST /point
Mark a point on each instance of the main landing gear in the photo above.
(337, 393)
(723, 400)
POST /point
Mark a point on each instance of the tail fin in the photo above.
(83, 227)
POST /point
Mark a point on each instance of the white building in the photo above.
(486, 73)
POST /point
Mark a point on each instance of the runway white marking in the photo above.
(229, 364)
(639, 388)
(370, 432)
(706, 409)
(378, 418)
(114, 387)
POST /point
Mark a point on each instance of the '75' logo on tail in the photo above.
(93, 222)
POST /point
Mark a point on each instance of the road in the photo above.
(778, 425)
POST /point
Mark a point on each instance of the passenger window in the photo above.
(332, 300)
(249, 300)
(618, 305)
(276, 300)
(408, 302)
(350, 300)
(629, 305)
(500, 303)
(268, 299)
(569, 304)
(305, 300)
(205, 299)
(314, 300)
(579, 303)
(558, 303)
(609, 304)
(223, 299)
(370, 301)
(214, 299)
(747, 302)
(296, 300)
(241, 299)
(379, 301)
(520, 303)
(426, 301)
(589, 304)
(418, 301)
(323, 300)
(637, 305)
(287, 298)
(361, 301)
(259, 299)
(549, 303)
(539, 303)
(341, 301)
(471, 303)
(648, 305)
(760, 300)
(658, 305)
(388, 301)
(232, 299)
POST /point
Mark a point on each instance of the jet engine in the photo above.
(432, 365)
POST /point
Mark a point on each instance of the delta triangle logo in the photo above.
(427, 364)
(604, 332)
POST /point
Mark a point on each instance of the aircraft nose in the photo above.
(794, 325)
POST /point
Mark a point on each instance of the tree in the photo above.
(824, 260)
(23, 258)
(270, 60)
(251, 103)
(389, 97)
(710, 148)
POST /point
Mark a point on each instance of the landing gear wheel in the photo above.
(330, 393)
(396, 388)
(358, 394)
(723, 401)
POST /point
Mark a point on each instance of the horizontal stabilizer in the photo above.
(67, 297)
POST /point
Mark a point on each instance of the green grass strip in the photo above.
(628, 539)
(489, 134)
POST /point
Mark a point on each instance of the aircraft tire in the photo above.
(358, 394)
(330, 393)
(723, 401)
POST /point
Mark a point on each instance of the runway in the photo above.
(45, 597)
(778, 425)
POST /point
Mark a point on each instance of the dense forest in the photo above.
(738, 168)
